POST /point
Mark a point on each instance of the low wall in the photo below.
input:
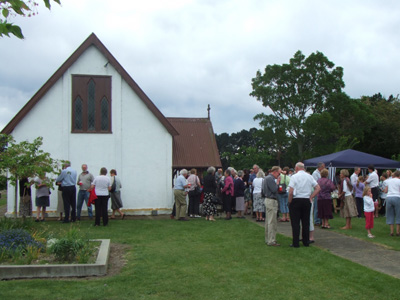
(72, 270)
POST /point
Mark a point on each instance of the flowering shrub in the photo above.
(17, 240)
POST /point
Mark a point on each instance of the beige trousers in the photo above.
(271, 222)
(180, 203)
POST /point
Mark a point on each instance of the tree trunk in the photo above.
(16, 199)
(300, 145)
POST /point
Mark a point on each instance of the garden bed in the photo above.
(99, 268)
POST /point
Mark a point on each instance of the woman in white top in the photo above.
(349, 208)
(102, 186)
(393, 203)
(258, 201)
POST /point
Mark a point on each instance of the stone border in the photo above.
(99, 268)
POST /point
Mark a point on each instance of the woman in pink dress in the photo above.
(325, 199)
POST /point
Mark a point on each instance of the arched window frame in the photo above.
(92, 90)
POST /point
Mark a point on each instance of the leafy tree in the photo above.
(273, 137)
(25, 8)
(295, 91)
(242, 149)
(25, 159)
(383, 137)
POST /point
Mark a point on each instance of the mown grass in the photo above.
(203, 260)
(380, 230)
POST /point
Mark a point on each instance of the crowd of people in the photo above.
(278, 195)
(290, 195)
(91, 190)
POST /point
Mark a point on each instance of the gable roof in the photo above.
(195, 146)
(91, 40)
(351, 158)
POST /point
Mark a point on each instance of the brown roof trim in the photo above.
(91, 40)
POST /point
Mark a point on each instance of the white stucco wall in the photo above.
(139, 148)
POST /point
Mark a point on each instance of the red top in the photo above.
(228, 188)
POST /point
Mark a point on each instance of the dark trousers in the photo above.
(360, 206)
(194, 204)
(101, 206)
(69, 199)
(227, 202)
(375, 193)
(299, 210)
(174, 210)
(233, 202)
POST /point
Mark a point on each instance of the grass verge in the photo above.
(380, 230)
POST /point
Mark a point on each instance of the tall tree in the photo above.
(242, 149)
(296, 90)
(383, 137)
(26, 8)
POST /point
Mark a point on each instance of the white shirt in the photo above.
(257, 183)
(368, 204)
(393, 187)
(316, 175)
(353, 179)
(303, 184)
(373, 180)
(101, 184)
(346, 189)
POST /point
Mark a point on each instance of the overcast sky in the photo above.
(187, 54)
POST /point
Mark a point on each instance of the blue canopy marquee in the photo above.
(351, 158)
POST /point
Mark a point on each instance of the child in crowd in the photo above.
(369, 209)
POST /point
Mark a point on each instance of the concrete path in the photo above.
(364, 253)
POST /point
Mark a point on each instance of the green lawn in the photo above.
(380, 230)
(204, 260)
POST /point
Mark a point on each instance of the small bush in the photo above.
(73, 247)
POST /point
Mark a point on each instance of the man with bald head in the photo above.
(301, 195)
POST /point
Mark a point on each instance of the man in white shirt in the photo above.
(373, 182)
(300, 197)
(354, 177)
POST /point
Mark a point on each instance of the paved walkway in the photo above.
(364, 253)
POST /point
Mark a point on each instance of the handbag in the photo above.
(215, 200)
(113, 186)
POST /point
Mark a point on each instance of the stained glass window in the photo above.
(91, 106)
(78, 114)
(104, 114)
